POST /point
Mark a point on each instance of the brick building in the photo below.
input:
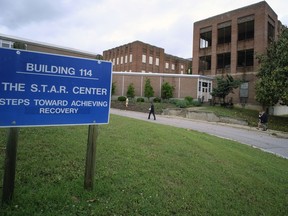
(142, 57)
(229, 43)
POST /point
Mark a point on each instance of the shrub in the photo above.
(196, 103)
(131, 91)
(167, 90)
(157, 100)
(189, 99)
(182, 103)
(121, 98)
(140, 99)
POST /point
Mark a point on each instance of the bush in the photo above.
(140, 100)
(121, 98)
(196, 103)
(182, 103)
(173, 101)
(157, 100)
(189, 99)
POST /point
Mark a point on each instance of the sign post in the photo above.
(39, 89)
(10, 165)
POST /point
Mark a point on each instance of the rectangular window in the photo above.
(173, 67)
(244, 87)
(245, 58)
(157, 61)
(271, 33)
(205, 63)
(143, 58)
(205, 39)
(150, 60)
(223, 60)
(6, 44)
(126, 59)
(117, 61)
(246, 30)
(121, 60)
(224, 35)
(130, 57)
(167, 65)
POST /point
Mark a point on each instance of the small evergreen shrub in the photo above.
(182, 103)
(140, 99)
(157, 100)
(196, 103)
(189, 99)
(121, 98)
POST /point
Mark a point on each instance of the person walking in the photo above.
(152, 111)
(263, 121)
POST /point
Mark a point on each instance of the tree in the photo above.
(272, 86)
(148, 91)
(225, 86)
(19, 45)
(131, 91)
(167, 90)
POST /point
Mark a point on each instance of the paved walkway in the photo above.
(270, 141)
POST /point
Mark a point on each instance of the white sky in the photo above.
(98, 25)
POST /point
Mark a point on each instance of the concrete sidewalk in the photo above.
(270, 141)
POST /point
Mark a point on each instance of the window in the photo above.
(167, 65)
(205, 63)
(173, 66)
(150, 60)
(117, 61)
(245, 58)
(126, 59)
(244, 90)
(130, 58)
(246, 30)
(6, 44)
(271, 33)
(224, 35)
(121, 60)
(157, 61)
(205, 39)
(143, 58)
(223, 60)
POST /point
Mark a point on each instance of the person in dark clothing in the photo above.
(263, 120)
(151, 111)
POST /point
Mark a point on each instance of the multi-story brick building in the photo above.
(141, 57)
(229, 44)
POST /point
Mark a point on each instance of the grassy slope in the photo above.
(144, 169)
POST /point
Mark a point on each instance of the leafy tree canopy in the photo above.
(272, 86)
(225, 86)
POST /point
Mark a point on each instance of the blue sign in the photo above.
(38, 89)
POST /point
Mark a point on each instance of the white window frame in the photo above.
(167, 65)
(157, 62)
(150, 59)
(143, 58)
(130, 57)
(9, 44)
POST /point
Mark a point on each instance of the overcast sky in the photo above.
(98, 25)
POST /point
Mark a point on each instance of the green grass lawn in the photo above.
(143, 169)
